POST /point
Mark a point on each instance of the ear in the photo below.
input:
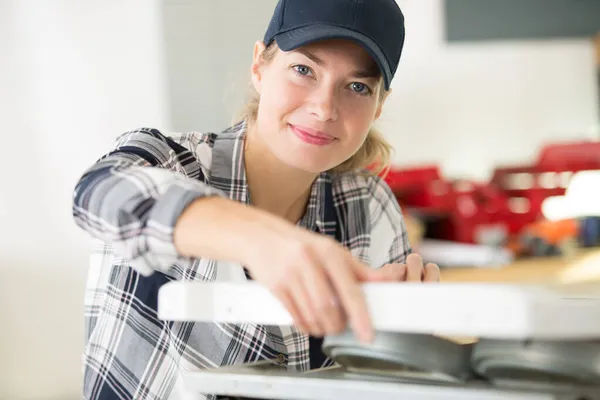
(259, 47)
(380, 105)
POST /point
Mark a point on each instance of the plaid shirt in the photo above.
(129, 202)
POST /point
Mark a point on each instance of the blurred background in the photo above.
(494, 114)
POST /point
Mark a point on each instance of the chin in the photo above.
(307, 166)
(308, 157)
(300, 160)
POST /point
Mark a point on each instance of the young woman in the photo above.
(282, 197)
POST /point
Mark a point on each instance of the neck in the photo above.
(274, 186)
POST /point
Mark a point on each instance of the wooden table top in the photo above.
(582, 267)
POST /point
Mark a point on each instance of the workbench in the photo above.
(581, 267)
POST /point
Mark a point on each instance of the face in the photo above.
(317, 103)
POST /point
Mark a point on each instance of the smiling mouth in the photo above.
(312, 137)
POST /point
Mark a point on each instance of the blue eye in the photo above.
(360, 88)
(302, 69)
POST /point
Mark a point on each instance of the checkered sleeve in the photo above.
(389, 239)
(133, 196)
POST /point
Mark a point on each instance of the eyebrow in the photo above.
(372, 72)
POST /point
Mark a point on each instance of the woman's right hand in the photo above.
(316, 279)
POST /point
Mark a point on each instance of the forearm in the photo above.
(226, 230)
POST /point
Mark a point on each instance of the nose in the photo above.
(324, 103)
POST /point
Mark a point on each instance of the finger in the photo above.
(302, 300)
(288, 303)
(324, 303)
(432, 273)
(414, 264)
(362, 272)
(341, 270)
(389, 273)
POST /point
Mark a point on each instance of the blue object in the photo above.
(377, 25)
(589, 231)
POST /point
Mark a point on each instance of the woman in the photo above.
(282, 197)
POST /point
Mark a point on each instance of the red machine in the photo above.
(491, 212)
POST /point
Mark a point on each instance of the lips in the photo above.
(312, 136)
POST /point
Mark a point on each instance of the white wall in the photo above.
(209, 50)
(472, 106)
(76, 74)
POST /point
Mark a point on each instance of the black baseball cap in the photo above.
(377, 25)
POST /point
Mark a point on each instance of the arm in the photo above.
(133, 196)
(151, 200)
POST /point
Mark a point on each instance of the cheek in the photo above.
(358, 119)
(279, 98)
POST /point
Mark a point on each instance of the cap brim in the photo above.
(293, 39)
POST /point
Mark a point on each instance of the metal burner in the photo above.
(409, 356)
(556, 362)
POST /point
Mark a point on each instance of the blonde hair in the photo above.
(372, 158)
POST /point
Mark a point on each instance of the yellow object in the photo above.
(415, 230)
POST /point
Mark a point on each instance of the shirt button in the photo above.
(281, 358)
